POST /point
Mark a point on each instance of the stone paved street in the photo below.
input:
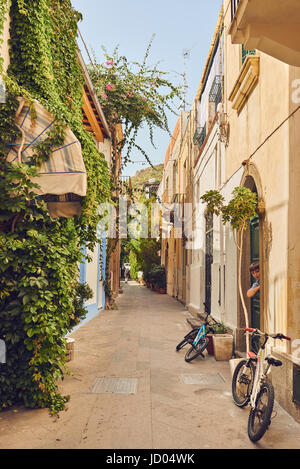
(137, 341)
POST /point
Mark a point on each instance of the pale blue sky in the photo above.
(178, 26)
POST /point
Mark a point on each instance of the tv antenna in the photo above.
(186, 56)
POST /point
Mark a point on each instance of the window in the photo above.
(246, 52)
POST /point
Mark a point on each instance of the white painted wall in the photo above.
(4, 50)
(106, 148)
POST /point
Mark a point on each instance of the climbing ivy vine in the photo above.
(40, 297)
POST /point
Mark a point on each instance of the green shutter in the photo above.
(246, 52)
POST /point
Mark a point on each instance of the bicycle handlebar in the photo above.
(274, 336)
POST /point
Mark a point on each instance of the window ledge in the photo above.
(245, 83)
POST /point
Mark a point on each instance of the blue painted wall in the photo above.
(93, 309)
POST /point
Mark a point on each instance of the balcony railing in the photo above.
(234, 7)
(215, 95)
(199, 136)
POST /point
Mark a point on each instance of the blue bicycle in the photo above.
(197, 339)
(200, 342)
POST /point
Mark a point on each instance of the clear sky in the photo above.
(178, 26)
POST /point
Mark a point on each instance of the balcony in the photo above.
(271, 26)
(199, 136)
(234, 6)
(216, 91)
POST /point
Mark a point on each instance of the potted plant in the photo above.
(219, 328)
(158, 278)
(222, 341)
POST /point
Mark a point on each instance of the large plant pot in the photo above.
(210, 345)
(223, 346)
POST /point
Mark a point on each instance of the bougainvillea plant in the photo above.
(135, 95)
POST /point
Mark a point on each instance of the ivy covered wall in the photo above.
(40, 298)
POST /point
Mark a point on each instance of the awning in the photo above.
(64, 172)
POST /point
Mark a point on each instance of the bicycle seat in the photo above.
(252, 356)
(273, 361)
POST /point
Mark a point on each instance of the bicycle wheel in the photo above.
(242, 382)
(188, 339)
(196, 350)
(260, 417)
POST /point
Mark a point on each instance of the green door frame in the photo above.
(254, 257)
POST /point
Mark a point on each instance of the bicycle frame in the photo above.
(261, 370)
(260, 375)
(201, 333)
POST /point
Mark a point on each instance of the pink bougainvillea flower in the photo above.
(110, 62)
(104, 95)
(143, 98)
(108, 86)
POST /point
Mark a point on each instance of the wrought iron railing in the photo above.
(200, 135)
(215, 95)
(234, 7)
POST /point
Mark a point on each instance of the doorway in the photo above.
(208, 259)
(254, 257)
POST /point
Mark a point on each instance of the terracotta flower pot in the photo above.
(210, 345)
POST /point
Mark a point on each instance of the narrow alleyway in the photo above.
(137, 342)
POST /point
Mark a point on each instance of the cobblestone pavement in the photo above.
(172, 405)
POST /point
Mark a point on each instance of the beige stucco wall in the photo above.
(293, 261)
(265, 110)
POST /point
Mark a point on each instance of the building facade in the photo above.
(244, 123)
(262, 108)
(173, 188)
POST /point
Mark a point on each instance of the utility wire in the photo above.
(263, 143)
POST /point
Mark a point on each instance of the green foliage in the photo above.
(238, 212)
(40, 298)
(142, 177)
(134, 266)
(219, 328)
(157, 276)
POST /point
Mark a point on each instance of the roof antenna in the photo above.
(186, 55)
